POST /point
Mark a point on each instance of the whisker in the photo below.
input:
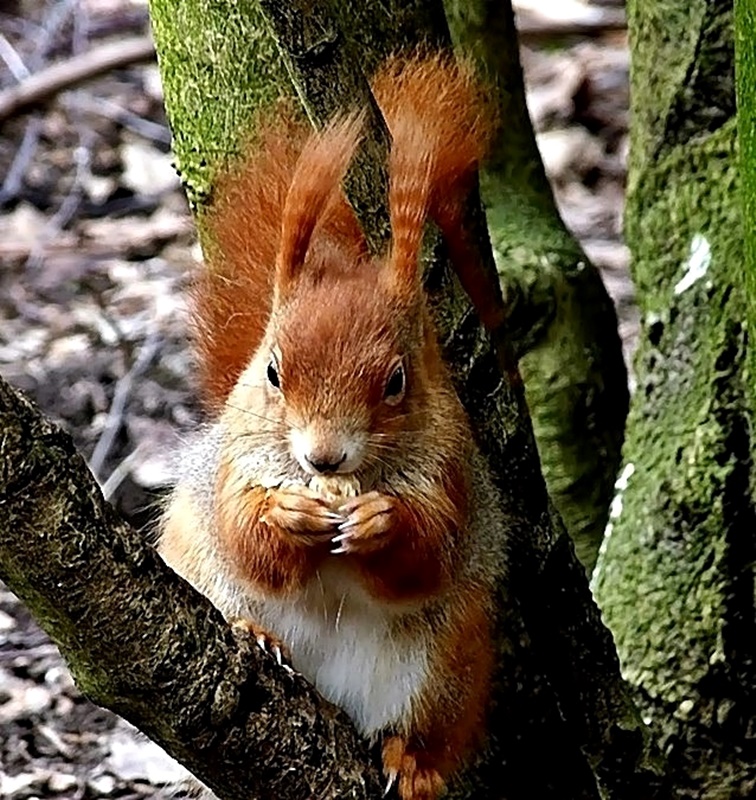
(338, 612)
(282, 423)
(322, 596)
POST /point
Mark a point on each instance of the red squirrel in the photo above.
(337, 501)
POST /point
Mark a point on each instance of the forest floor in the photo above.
(96, 250)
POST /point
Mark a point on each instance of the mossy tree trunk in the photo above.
(675, 579)
(745, 70)
(562, 321)
(580, 713)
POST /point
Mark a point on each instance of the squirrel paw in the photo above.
(367, 522)
(267, 642)
(302, 511)
(401, 768)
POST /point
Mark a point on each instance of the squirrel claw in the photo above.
(343, 541)
(366, 523)
(278, 653)
(393, 774)
(267, 642)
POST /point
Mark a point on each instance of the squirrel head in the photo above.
(343, 367)
(346, 372)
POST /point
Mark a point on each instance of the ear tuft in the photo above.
(317, 176)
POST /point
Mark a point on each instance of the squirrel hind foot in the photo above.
(404, 767)
(267, 642)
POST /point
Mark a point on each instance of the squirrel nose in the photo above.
(325, 462)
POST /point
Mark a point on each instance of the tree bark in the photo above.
(675, 579)
(558, 689)
(560, 317)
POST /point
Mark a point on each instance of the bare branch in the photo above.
(43, 85)
(143, 643)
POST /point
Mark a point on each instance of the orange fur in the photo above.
(318, 172)
(260, 553)
(292, 292)
(434, 524)
(232, 298)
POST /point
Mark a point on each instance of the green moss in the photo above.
(745, 51)
(665, 33)
(216, 74)
(663, 581)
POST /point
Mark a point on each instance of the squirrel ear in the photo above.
(317, 176)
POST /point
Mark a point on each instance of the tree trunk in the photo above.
(561, 319)
(675, 578)
(558, 689)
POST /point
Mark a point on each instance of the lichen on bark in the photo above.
(675, 576)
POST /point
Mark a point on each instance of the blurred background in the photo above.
(96, 250)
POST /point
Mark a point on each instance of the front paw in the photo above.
(303, 512)
(369, 521)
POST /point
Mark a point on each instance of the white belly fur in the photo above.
(342, 640)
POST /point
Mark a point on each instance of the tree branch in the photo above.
(142, 642)
(58, 77)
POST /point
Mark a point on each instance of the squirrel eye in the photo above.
(395, 385)
(273, 375)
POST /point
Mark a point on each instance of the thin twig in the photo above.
(13, 60)
(61, 218)
(15, 177)
(103, 107)
(114, 420)
(532, 28)
(82, 158)
(53, 23)
(120, 473)
(44, 39)
(49, 82)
